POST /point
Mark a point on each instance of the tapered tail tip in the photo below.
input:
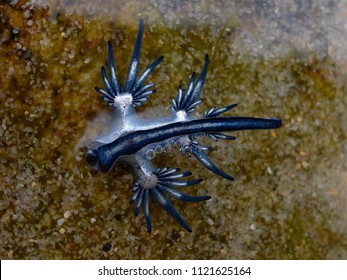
(141, 23)
(276, 122)
(268, 123)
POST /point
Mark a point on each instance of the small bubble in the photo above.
(158, 149)
(150, 154)
(167, 148)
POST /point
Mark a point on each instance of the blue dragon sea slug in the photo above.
(135, 141)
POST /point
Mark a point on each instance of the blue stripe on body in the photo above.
(134, 141)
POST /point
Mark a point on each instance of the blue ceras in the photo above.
(134, 140)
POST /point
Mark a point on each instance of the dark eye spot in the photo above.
(92, 157)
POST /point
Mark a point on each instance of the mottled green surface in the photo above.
(287, 60)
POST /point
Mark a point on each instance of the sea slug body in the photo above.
(135, 141)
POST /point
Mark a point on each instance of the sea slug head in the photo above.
(92, 159)
(102, 158)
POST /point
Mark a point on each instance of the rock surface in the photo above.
(274, 58)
